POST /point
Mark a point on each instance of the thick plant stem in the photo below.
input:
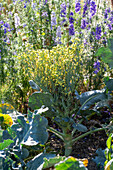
(68, 144)
(67, 138)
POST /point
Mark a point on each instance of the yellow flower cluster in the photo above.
(7, 119)
(55, 68)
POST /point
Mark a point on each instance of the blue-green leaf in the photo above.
(70, 163)
(38, 161)
(38, 99)
(37, 132)
(89, 98)
(29, 134)
(80, 127)
(100, 159)
(52, 161)
(109, 84)
(34, 85)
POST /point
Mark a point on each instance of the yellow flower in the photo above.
(7, 119)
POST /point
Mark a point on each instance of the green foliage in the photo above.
(104, 160)
(70, 163)
(89, 98)
(42, 98)
(109, 165)
(52, 161)
(109, 84)
(38, 161)
(80, 127)
(100, 159)
(5, 144)
(63, 118)
(107, 53)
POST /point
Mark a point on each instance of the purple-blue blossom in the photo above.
(58, 32)
(106, 14)
(88, 2)
(85, 9)
(53, 19)
(71, 30)
(104, 40)
(45, 2)
(77, 7)
(110, 27)
(96, 71)
(63, 10)
(83, 23)
(92, 8)
(58, 35)
(71, 19)
(5, 31)
(96, 66)
(44, 14)
(1, 22)
(98, 32)
(6, 25)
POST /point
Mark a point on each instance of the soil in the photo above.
(86, 147)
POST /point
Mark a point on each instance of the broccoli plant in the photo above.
(90, 101)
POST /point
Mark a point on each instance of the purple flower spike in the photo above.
(96, 71)
(85, 9)
(71, 30)
(53, 19)
(71, 19)
(63, 10)
(77, 7)
(96, 66)
(83, 23)
(98, 32)
(92, 8)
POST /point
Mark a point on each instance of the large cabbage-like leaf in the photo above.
(70, 163)
(6, 108)
(89, 98)
(37, 99)
(52, 161)
(38, 161)
(37, 132)
(5, 144)
(61, 159)
(103, 103)
(29, 134)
